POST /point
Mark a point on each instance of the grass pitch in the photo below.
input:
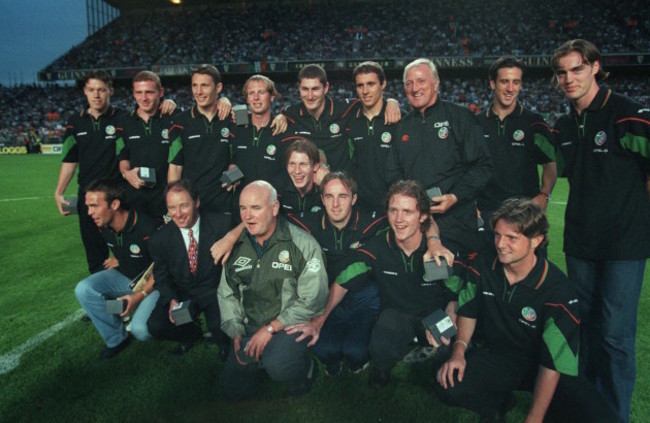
(60, 377)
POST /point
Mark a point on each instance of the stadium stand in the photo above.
(384, 29)
(319, 31)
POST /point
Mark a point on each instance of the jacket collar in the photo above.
(390, 240)
(602, 97)
(351, 226)
(327, 110)
(534, 279)
(110, 112)
(518, 111)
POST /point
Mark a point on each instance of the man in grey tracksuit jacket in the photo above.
(275, 277)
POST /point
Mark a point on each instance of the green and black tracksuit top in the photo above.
(444, 147)
(257, 153)
(293, 202)
(517, 145)
(327, 132)
(203, 148)
(131, 246)
(145, 144)
(90, 142)
(605, 154)
(399, 277)
(371, 141)
(339, 244)
(534, 320)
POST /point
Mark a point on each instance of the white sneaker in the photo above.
(420, 354)
(359, 369)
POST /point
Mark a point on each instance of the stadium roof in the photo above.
(128, 5)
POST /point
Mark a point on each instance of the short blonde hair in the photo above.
(270, 85)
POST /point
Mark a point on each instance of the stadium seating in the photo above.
(217, 34)
(410, 28)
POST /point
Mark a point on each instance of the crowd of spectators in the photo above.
(331, 30)
(364, 29)
(32, 111)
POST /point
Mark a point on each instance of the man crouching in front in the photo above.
(275, 277)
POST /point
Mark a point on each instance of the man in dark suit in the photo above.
(184, 269)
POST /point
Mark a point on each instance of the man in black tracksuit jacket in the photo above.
(441, 145)
(603, 151)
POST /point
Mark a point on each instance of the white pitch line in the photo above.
(11, 360)
(559, 202)
(4, 200)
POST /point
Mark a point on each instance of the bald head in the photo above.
(259, 208)
(262, 187)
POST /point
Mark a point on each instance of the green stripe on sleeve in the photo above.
(352, 271)
(174, 149)
(545, 146)
(467, 294)
(564, 360)
(69, 142)
(636, 144)
(119, 146)
(454, 284)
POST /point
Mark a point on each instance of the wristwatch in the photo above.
(270, 329)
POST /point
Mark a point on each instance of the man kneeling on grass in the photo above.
(275, 277)
(185, 272)
(343, 331)
(393, 260)
(126, 232)
(524, 313)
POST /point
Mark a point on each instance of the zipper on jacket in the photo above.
(508, 291)
(581, 126)
(408, 264)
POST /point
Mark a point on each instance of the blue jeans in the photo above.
(139, 328)
(609, 291)
(92, 293)
(346, 331)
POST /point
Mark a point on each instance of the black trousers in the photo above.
(284, 360)
(391, 336)
(490, 377)
(162, 328)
